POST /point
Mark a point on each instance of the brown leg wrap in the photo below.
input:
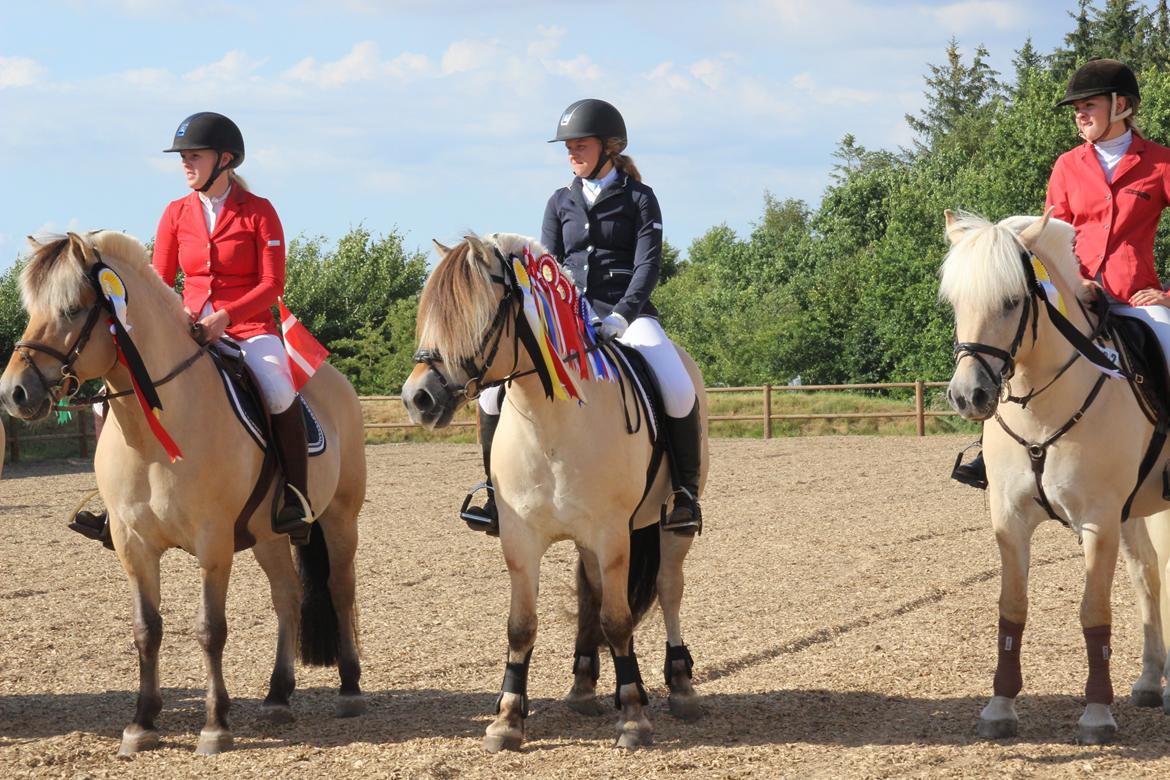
(1008, 678)
(1099, 688)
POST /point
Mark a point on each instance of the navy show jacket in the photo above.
(613, 248)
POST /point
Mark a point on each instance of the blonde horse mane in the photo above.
(460, 299)
(982, 270)
(56, 278)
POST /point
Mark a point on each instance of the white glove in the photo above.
(612, 327)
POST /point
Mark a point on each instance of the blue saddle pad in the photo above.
(250, 414)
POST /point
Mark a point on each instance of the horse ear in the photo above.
(1029, 234)
(442, 250)
(955, 227)
(81, 250)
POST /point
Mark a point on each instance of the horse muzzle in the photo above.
(428, 399)
(24, 396)
(973, 394)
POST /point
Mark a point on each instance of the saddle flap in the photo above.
(1144, 362)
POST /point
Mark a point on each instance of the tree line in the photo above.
(844, 292)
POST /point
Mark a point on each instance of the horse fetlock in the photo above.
(582, 697)
(1144, 695)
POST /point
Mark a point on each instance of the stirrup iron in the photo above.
(476, 521)
(691, 527)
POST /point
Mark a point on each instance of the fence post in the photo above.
(920, 406)
(13, 440)
(767, 411)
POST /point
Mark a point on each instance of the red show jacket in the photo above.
(239, 268)
(1115, 222)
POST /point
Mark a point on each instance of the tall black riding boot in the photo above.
(288, 429)
(686, 449)
(484, 518)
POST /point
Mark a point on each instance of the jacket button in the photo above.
(586, 225)
(1108, 197)
(589, 249)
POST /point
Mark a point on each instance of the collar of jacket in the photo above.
(1136, 147)
(619, 185)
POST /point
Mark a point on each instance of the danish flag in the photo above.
(305, 353)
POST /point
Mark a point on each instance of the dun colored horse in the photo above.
(192, 503)
(562, 471)
(1064, 440)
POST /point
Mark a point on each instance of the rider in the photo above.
(606, 227)
(1112, 189)
(230, 246)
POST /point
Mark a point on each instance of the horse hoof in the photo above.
(634, 739)
(494, 743)
(213, 741)
(1149, 699)
(997, 729)
(586, 705)
(685, 707)
(277, 714)
(135, 741)
(1096, 735)
(350, 706)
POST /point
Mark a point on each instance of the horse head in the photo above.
(989, 279)
(62, 346)
(466, 327)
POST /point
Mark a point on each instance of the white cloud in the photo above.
(362, 63)
(710, 72)
(233, 67)
(19, 72)
(468, 55)
(147, 77)
(580, 68)
(977, 14)
(547, 42)
(664, 73)
(844, 96)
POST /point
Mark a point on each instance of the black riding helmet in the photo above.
(1100, 76)
(592, 117)
(209, 130)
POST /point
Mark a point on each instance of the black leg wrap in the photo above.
(626, 668)
(594, 660)
(679, 653)
(516, 681)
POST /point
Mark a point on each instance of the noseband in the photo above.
(476, 367)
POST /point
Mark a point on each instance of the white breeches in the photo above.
(645, 334)
(1158, 318)
(265, 356)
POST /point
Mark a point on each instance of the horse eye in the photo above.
(1009, 304)
(73, 312)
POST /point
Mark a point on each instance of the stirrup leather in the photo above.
(479, 518)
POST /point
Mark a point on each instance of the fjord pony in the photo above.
(1065, 437)
(192, 504)
(562, 471)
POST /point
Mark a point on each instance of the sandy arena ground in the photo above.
(841, 610)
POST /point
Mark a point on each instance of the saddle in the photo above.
(244, 397)
(646, 404)
(1141, 357)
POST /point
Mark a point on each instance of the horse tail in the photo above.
(645, 555)
(319, 632)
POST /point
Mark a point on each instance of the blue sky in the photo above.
(431, 117)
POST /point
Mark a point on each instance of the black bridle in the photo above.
(477, 366)
(69, 383)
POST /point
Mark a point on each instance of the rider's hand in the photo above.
(612, 327)
(1151, 296)
(214, 325)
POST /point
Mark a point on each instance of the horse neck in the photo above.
(1050, 352)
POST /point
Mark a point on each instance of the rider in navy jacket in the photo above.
(606, 228)
(613, 249)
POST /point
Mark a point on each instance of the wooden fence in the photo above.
(80, 429)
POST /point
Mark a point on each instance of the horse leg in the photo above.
(617, 623)
(142, 568)
(276, 562)
(522, 554)
(582, 697)
(1142, 561)
(998, 718)
(1096, 725)
(683, 700)
(216, 735)
(340, 527)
